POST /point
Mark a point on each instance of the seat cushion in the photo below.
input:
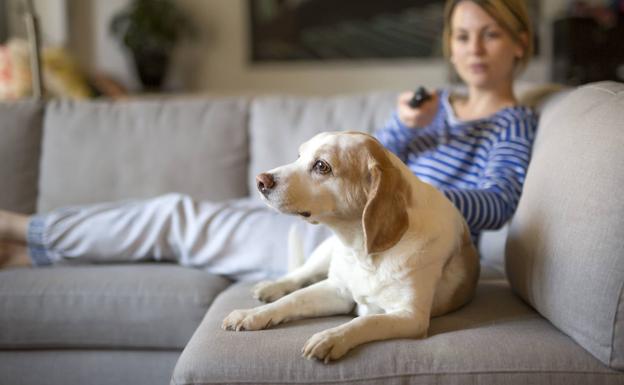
(20, 143)
(114, 306)
(104, 151)
(565, 249)
(496, 339)
(87, 366)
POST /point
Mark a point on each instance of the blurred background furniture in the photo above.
(588, 45)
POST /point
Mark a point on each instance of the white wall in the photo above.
(54, 24)
(217, 61)
(52, 20)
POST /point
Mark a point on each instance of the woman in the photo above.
(474, 147)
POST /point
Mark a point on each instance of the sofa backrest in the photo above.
(20, 141)
(565, 249)
(104, 151)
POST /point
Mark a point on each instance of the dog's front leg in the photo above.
(314, 270)
(331, 344)
(320, 299)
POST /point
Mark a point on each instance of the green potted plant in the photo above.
(150, 29)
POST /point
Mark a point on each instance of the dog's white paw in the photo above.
(328, 345)
(269, 291)
(249, 319)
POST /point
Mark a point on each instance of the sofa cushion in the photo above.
(129, 306)
(280, 124)
(87, 366)
(103, 151)
(496, 339)
(20, 143)
(565, 250)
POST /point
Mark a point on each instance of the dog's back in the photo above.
(461, 271)
(459, 277)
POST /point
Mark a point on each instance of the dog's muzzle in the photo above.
(265, 183)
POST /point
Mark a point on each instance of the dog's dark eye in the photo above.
(321, 167)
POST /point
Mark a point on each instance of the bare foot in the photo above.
(13, 226)
(14, 254)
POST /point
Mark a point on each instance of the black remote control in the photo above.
(420, 96)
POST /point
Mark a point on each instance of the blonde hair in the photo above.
(511, 15)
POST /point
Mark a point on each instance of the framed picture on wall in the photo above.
(322, 30)
(304, 30)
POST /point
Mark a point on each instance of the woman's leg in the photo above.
(242, 239)
(13, 226)
(246, 240)
(13, 230)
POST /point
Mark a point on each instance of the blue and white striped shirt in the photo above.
(480, 165)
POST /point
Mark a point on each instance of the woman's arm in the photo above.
(396, 137)
(494, 200)
(408, 124)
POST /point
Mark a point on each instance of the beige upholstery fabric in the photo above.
(88, 366)
(565, 250)
(136, 306)
(496, 339)
(20, 142)
(103, 151)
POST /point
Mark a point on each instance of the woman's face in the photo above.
(482, 52)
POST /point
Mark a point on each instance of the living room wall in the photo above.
(217, 60)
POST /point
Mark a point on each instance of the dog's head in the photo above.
(343, 177)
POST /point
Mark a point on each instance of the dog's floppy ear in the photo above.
(385, 218)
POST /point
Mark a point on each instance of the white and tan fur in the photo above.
(401, 253)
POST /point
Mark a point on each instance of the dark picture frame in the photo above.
(317, 30)
(329, 30)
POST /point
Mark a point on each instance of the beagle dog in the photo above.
(401, 253)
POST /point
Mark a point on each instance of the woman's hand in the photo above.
(417, 117)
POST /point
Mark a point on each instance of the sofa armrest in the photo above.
(565, 249)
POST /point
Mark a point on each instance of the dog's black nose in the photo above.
(265, 182)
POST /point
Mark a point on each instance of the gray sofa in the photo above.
(548, 310)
